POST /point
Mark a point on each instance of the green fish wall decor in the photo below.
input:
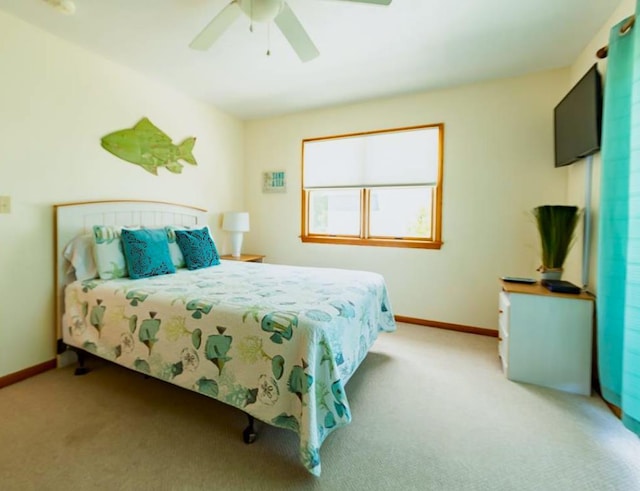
(147, 146)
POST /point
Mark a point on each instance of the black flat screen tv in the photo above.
(578, 120)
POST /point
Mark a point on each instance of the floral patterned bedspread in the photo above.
(278, 342)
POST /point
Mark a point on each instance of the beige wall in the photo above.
(57, 101)
(576, 190)
(498, 165)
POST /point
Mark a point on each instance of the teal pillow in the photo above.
(146, 252)
(198, 248)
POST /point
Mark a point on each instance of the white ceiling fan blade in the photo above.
(216, 27)
(300, 41)
(375, 2)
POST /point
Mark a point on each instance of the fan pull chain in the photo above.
(251, 16)
(269, 39)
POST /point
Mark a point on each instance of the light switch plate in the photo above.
(5, 204)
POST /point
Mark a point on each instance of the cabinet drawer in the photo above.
(503, 329)
(503, 352)
(503, 314)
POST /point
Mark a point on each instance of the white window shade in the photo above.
(408, 157)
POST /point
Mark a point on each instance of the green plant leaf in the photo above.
(556, 226)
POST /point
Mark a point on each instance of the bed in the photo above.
(277, 342)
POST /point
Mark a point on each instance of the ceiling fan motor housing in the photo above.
(261, 10)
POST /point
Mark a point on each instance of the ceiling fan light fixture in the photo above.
(261, 10)
(66, 7)
(277, 11)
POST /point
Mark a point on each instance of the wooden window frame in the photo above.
(433, 242)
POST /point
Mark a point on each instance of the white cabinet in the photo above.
(545, 338)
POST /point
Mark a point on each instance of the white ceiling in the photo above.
(366, 51)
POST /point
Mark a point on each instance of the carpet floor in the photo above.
(431, 411)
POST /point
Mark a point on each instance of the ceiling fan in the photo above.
(277, 11)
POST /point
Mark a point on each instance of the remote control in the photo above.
(518, 279)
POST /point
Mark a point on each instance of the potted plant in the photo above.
(556, 225)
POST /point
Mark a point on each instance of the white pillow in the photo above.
(79, 253)
(108, 251)
(176, 254)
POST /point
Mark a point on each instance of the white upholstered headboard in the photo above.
(71, 219)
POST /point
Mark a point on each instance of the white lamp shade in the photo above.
(235, 221)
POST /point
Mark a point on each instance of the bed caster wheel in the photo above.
(249, 436)
(81, 369)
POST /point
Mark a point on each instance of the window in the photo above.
(380, 188)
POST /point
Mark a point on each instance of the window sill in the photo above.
(402, 243)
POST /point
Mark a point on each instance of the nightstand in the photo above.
(247, 258)
(545, 338)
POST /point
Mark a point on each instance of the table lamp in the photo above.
(236, 223)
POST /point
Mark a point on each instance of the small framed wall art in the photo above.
(274, 182)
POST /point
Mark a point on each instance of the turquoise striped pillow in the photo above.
(108, 252)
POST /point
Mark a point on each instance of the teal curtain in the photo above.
(618, 299)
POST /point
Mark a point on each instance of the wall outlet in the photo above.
(5, 204)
